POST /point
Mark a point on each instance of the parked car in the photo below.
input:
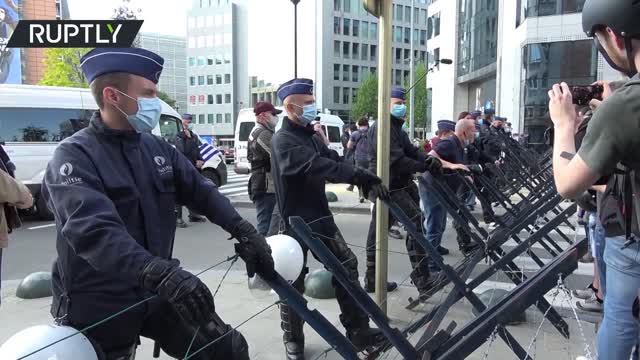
(229, 155)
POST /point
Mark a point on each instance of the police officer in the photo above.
(489, 148)
(189, 145)
(405, 160)
(112, 188)
(261, 189)
(301, 165)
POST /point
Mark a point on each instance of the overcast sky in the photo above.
(270, 30)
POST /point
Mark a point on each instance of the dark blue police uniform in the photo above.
(112, 193)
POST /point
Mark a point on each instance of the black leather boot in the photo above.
(293, 338)
(365, 337)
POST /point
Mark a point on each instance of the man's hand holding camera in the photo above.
(561, 108)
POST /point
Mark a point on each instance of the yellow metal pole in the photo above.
(384, 94)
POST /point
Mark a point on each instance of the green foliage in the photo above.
(366, 101)
(63, 68)
(420, 114)
(166, 98)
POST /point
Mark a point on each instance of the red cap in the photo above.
(264, 106)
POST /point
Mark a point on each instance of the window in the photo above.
(365, 29)
(374, 31)
(336, 25)
(345, 72)
(201, 61)
(210, 60)
(422, 20)
(38, 125)
(209, 79)
(355, 51)
(407, 55)
(397, 32)
(436, 54)
(345, 49)
(192, 80)
(477, 43)
(423, 37)
(227, 58)
(333, 134)
(397, 9)
(219, 121)
(336, 49)
(374, 52)
(354, 73)
(201, 99)
(374, 69)
(347, 6)
(201, 119)
(582, 56)
(365, 51)
(364, 72)
(346, 25)
(336, 95)
(227, 98)
(218, 59)
(398, 79)
(192, 61)
(201, 80)
(345, 95)
(227, 118)
(336, 5)
(407, 14)
(354, 94)
(405, 76)
(534, 8)
(169, 127)
(336, 71)
(407, 35)
(423, 56)
(436, 25)
(210, 99)
(227, 78)
(192, 99)
(218, 99)
(356, 28)
(398, 56)
(209, 118)
(218, 79)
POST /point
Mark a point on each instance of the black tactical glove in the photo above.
(189, 296)
(371, 184)
(253, 249)
(475, 168)
(433, 165)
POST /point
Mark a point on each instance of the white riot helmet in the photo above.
(36, 337)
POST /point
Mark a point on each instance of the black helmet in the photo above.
(622, 16)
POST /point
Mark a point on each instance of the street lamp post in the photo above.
(295, 38)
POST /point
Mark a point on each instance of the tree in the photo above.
(124, 12)
(63, 68)
(166, 98)
(366, 101)
(420, 114)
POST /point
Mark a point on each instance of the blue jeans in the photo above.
(597, 239)
(619, 331)
(435, 221)
(264, 208)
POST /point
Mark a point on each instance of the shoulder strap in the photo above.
(635, 196)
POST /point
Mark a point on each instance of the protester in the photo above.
(301, 166)
(112, 188)
(261, 187)
(610, 148)
(359, 145)
(189, 145)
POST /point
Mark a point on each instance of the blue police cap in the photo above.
(398, 93)
(295, 87)
(134, 61)
(446, 125)
(499, 118)
(476, 114)
(187, 116)
(489, 111)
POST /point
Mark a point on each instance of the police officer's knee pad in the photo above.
(235, 347)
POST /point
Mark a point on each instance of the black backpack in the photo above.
(620, 205)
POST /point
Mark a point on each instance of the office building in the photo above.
(173, 49)
(263, 91)
(507, 55)
(33, 59)
(217, 65)
(347, 48)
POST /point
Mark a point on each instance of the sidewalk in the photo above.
(235, 304)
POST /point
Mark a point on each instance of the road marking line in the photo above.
(42, 226)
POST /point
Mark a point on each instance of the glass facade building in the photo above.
(574, 62)
(534, 8)
(477, 35)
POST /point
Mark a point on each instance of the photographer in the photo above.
(610, 147)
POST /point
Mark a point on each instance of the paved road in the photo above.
(236, 183)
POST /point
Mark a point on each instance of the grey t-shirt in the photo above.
(613, 134)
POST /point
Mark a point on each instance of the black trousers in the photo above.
(117, 340)
(408, 199)
(352, 316)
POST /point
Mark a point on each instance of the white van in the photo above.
(34, 119)
(247, 120)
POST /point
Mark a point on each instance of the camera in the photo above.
(582, 95)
